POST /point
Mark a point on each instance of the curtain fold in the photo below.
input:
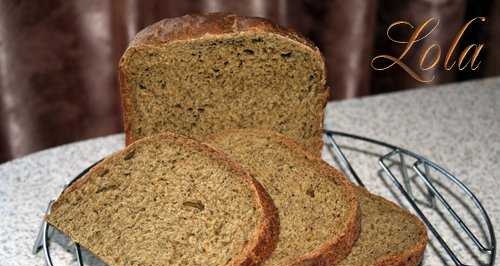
(492, 66)
(58, 79)
(347, 41)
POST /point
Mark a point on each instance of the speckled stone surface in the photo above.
(457, 126)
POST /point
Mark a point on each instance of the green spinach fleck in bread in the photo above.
(390, 236)
(318, 210)
(201, 74)
(169, 200)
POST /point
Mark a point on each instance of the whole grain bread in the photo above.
(169, 200)
(318, 210)
(390, 236)
(201, 74)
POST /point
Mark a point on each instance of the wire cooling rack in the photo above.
(421, 183)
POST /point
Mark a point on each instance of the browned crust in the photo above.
(337, 248)
(317, 145)
(265, 237)
(127, 106)
(196, 26)
(412, 256)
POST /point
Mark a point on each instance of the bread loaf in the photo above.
(201, 74)
(169, 200)
(318, 211)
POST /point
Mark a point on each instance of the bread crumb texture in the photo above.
(160, 202)
(251, 79)
(389, 234)
(314, 206)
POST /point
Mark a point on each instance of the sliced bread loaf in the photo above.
(201, 74)
(390, 236)
(318, 210)
(169, 200)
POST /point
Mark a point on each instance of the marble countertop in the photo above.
(457, 126)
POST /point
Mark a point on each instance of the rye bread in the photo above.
(318, 210)
(390, 235)
(201, 74)
(169, 200)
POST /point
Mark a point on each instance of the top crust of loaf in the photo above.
(198, 26)
(265, 237)
(338, 247)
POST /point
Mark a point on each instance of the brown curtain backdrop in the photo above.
(57, 73)
(348, 42)
(58, 58)
(493, 62)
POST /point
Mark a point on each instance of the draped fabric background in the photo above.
(58, 58)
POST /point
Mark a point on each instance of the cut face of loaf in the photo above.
(318, 211)
(201, 74)
(390, 236)
(169, 200)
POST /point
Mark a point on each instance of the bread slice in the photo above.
(201, 74)
(169, 200)
(390, 236)
(318, 210)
